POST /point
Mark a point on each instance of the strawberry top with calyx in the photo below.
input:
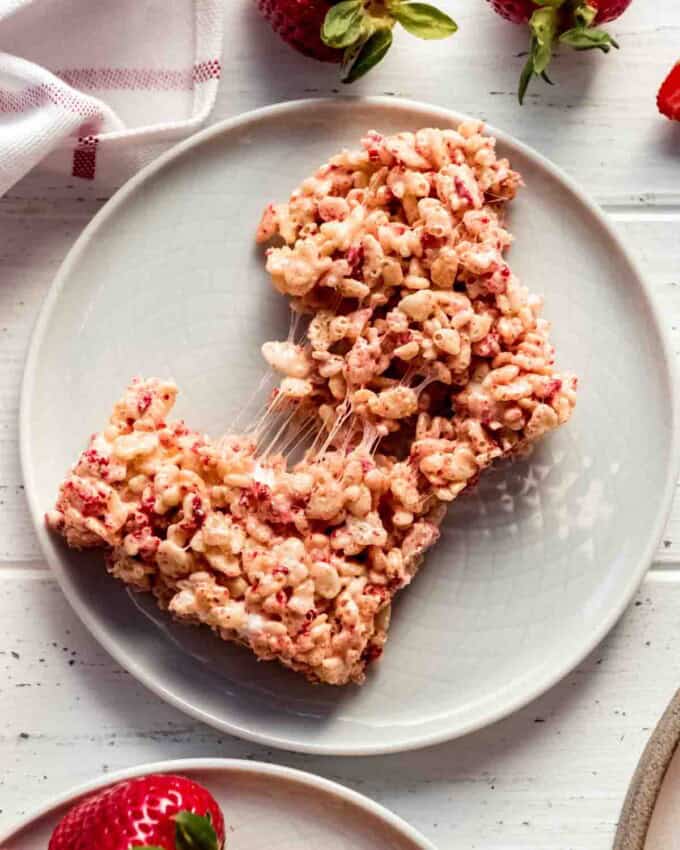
(363, 29)
(156, 812)
(357, 33)
(574, 23)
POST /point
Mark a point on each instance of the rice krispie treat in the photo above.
(397, 253)
(424, 360)
(300, 565)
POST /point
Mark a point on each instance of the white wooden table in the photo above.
(554, 775)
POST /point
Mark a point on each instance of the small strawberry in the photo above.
(357, 33)
(668, 98)
(156, 812)
(570, 22)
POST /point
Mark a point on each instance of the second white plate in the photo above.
(264, 806)
(534, 567)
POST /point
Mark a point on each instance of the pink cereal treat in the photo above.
(424, 360)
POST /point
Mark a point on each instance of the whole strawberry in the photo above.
(298, 23)
(357, 33)
(668, 98)
(569, 22)
(156, 812)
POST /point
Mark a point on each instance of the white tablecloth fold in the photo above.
(97, 89)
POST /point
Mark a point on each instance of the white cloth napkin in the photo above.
(97, 88)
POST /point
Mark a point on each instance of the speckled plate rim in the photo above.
(522, 696)
(643, 792)
(236, 766)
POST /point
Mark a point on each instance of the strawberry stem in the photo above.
(363, 29)
(567, 22)
(192, 832)
(543, 27)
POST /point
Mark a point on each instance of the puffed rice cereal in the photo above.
(425, 359)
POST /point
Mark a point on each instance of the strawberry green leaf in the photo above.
(588, 38)
(194, 832)
(343, 24)
(525, 78)
(423, 20)
(145, 847)
(555, 4)
(372, 51)
(543, 26)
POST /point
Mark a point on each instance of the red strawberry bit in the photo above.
(96, 462)
(371, 653)
(490, 346)
(144, 402)
(260, 491)
(374, 150)
(549, 391)
(376, 590)
(93, 457)
(92, 504)
(355, 257)
(429, 241)
(497, 282)
(136, 523)
(192, 523)
(403, 337)
(95, 505)
(147, 542)
(463, 192)
(147, 504)
(149, 547)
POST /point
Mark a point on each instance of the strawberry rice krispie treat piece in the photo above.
(424, 360)
(396, 251)
(300, 569)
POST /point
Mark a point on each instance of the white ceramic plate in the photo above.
(534, 567)
(264, 806)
